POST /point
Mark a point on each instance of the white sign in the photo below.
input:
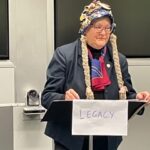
(100, 117)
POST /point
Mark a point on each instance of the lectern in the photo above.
(60, 111)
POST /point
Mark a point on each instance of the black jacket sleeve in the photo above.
(131, 94)
(53, 89)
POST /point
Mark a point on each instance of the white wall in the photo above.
(7, 82)
(29, 132)
(30, 49)
(22, 132)
(140, 73)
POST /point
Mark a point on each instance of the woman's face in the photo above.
(97, 35)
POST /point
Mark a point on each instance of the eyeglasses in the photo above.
(99, 28)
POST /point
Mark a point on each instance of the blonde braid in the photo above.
(123, 89)
(86, 68)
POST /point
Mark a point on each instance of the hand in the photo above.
(143, 96)
(71, 95)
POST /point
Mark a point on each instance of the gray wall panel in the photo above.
(6, 128)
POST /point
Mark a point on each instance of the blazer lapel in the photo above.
(109, 60)
(109, 66)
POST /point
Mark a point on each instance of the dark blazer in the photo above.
(65, 71)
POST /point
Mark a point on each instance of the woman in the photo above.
(89, 68)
